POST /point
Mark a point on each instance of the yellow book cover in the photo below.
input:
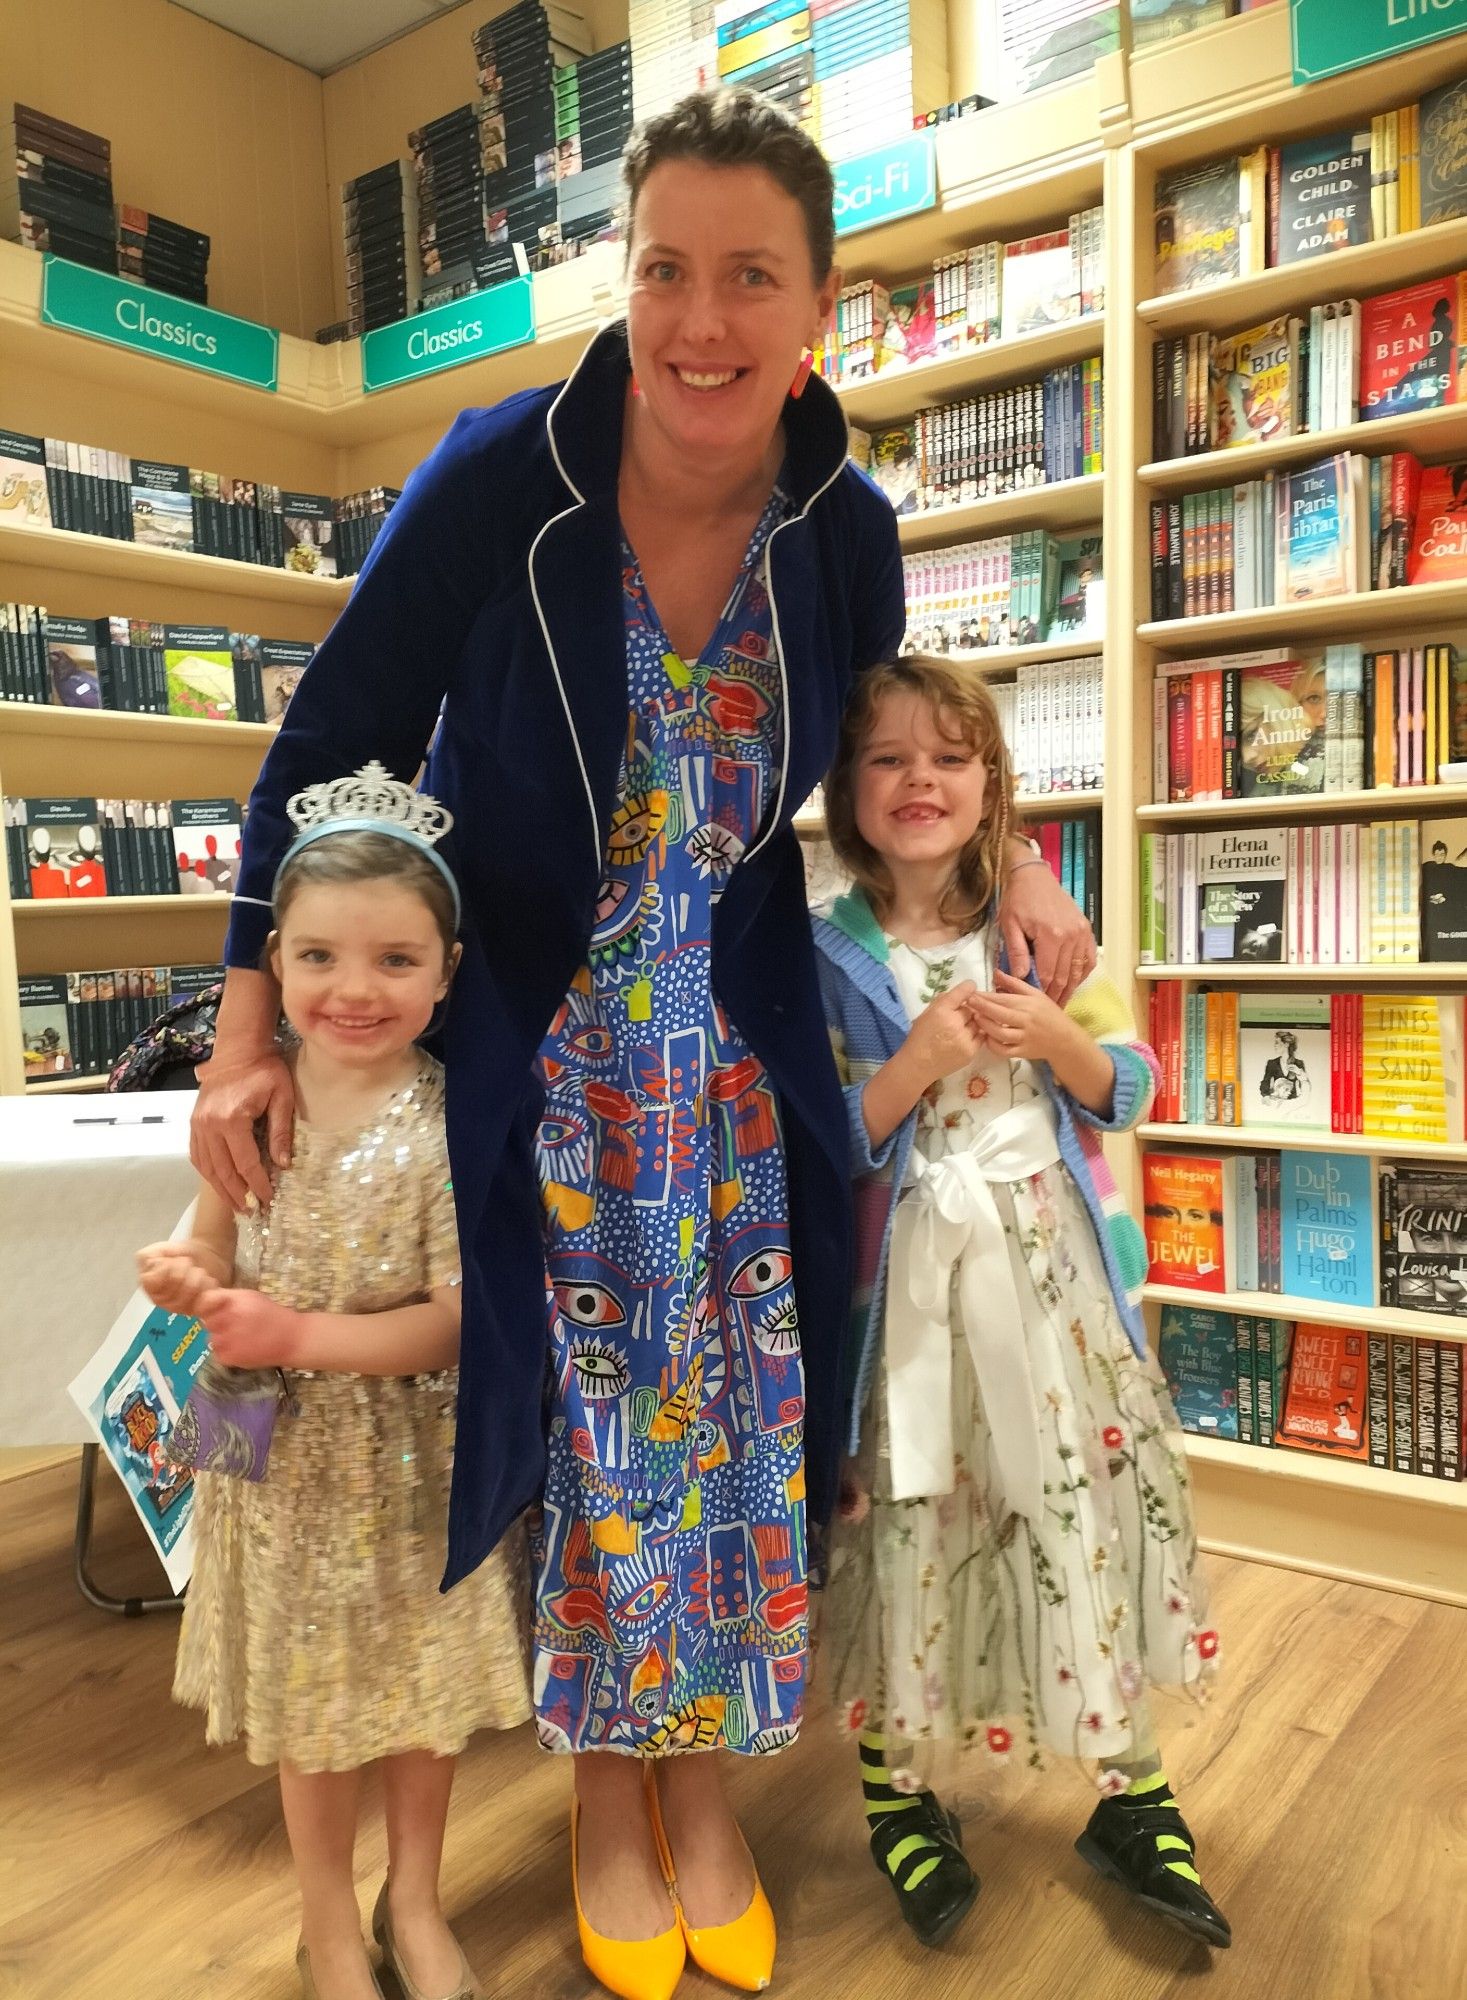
(1404, 1082)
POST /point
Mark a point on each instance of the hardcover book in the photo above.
(1427, 1231)
(1438, 551)
(1444, 891)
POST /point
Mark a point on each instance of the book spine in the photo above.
(1449, 1410)
(1403, 1403)
(1378, 1401)
(1243, 1348)
(1427, 1364)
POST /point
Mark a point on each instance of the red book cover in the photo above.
(1324, 1405)
(1337, 1063)
(1183, 1197)
(1439, 535)
(1214, 733)
(1410, 344)
(1179, 727)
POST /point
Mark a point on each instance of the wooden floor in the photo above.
(1327, 1784)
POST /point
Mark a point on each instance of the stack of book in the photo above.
(61, 196)
(1280, 723)
(79, 1023)
(593, 121)
(359, 521)
(988, 292)
(947, 114)
(1027, 45)
(1027, 589)
(1056, 736)
(876, 62)
(144, 666)
(674, 51)
(1308, 894)
(1387, 1400)
(1365, 1065)
(1037, 434)
(62, 849)
(168, 256)
(374, 228)
(1286, 204)
(771, 50)
(450, 156)
(516, 65)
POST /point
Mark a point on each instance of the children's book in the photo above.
(1199, 1359)
(1328, 1228)
(1325, 1401)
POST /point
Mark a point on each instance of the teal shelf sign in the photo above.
(886, 185)
(1334, 35)
(484, 323)
(105, 308)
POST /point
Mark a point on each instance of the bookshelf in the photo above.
(1216, 93)
(1015, 171)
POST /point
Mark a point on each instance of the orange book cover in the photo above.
(1324, 1406)
(1183, 1195)
(1385, 721)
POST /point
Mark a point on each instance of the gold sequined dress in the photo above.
(314, 1626)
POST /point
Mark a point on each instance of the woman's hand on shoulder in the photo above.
(233, 1096)
(1036, 912)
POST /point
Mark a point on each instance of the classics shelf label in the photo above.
(128, 315)
(468, 329)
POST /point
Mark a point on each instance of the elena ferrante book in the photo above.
(1328, 1228)
(1323, 195)
(1410, 348)
(1241, 882)
(1199, 1359)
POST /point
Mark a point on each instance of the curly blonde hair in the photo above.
(963, 710)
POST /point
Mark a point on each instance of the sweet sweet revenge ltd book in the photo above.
(1324, 1404)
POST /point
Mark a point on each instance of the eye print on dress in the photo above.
(634, 827)
(585, 1303)
(775, 1329)
(601, 1373)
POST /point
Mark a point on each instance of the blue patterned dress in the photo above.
(670, 1607)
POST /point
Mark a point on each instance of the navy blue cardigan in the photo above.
(494, 594)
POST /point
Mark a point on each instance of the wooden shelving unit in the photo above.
(1066, 503)
(1280, 1305)
(1265, 1137)
(1414, 801)
(1310, 975)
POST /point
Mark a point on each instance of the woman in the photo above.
(640, 600)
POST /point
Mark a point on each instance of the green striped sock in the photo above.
(1155, 1791)
(908, 1861)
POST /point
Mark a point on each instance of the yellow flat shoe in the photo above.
(740, 1953)
(634, 1968)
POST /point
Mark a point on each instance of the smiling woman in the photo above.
(640, 600)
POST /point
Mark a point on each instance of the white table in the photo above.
(85, 1181)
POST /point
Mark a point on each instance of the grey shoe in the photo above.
(468, 1987)
(308, 1984)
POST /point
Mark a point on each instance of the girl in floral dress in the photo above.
(1015, 1563)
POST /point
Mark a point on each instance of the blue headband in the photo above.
(325, 828)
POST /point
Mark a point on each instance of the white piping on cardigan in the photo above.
(539, 609)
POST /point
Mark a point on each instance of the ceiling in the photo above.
(320, 36)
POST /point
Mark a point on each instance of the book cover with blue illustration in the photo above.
(1199, 1360)
(1328, 1228)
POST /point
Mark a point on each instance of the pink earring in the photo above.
(802, 374)
(636, 387)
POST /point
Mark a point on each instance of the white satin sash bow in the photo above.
(949, 1220)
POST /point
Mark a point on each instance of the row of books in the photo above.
(1307, 1225)
(63, 849)
(374, 222)
(991, 291)
(145, 667)
(1071, 850)
(79, 1023)
(1276, 723)
(1389, 1400)
(1036, 434)
(61, 201)
(50, 482)
(1009, 590)
(1053, 723)
(1372, 1065)
(1391, 892)
(1293, 1222)
(1286, 204)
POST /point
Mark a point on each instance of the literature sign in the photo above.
(114, 309)
(883, 186)
(467, 329)
(1333, 35)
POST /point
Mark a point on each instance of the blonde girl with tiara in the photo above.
(1014, 1565)
(314, 1627)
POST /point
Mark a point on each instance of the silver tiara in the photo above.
(370, 795)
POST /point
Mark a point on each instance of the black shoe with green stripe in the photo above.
(918, 1845)
(1141, 1841)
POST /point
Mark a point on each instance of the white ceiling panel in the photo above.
(320, 37)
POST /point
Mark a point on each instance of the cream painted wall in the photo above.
(205, 128)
